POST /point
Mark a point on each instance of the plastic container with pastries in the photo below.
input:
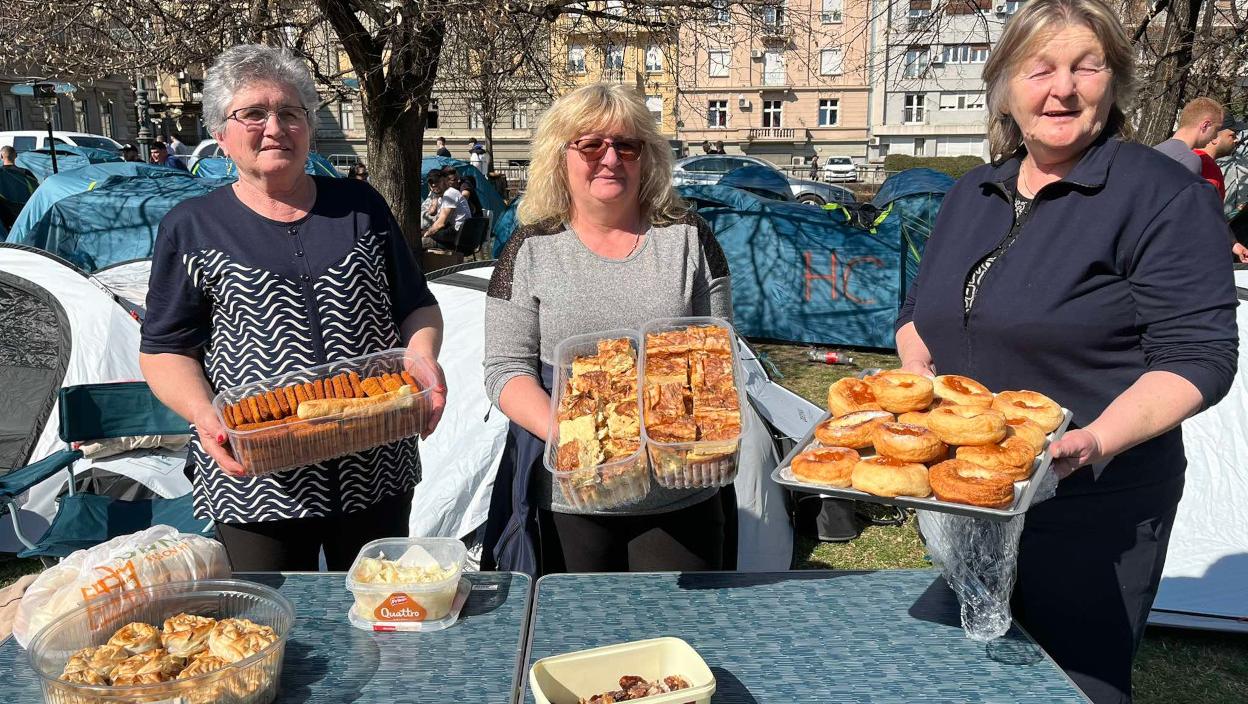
(695, 464)
(573, 677)
(252, 680)
(424, 604)
(616, 482)
(353, 415)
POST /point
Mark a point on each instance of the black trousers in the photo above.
(294, 544)
(1088, 570)
(690, 539)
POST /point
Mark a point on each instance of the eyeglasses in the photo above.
(255, 117)
(594, 148)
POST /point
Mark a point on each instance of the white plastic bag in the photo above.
(157, 555)
(979, 559)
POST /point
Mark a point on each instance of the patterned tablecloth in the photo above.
(880, 637)
(329, 660)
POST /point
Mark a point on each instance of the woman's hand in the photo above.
(431, 373)
(922, 368)
(1075, 449)
(215, 442)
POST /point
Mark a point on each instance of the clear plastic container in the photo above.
(410, 606)
(696, 464)
(253, 680)
(621, 481)
(358, 427)
(569, 678)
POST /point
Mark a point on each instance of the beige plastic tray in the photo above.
(565, 679)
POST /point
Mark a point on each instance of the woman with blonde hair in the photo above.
(1093, 270)
(604, 243)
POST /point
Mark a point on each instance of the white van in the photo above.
(29, 140)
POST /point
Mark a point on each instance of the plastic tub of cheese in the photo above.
(327, 411)
(407, 584)
(576, 677)
(595, 452)
(694, 411)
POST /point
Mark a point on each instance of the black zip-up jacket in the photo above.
(1123, 267)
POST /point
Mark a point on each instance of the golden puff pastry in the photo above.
(148, 668)
(80, 661)
(137, 638)
(84, 677)
(202, 665)
(235, 639)
(186, 635)
(106, 658)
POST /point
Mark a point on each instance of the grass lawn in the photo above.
(1173, 666)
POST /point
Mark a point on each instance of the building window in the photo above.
(106, 119)
(346, 115)
(773, 69)
(12, 112)
(916, 61)
(719, 63)
(476, 115)
(913, 112)
(719, 13)
(919, 9)
(829, 111)
(832, 11)
(81, 120)
(654, 59)
(772, 16)
(717, 113)
(966, 54)
(613, 64)
(1009, 7)
(832, 61)
(576, 59)
(615, 7)
(431, 115)
(920, 146)
(961, 101)
(520, 118)
(773, 112)
(654, 103)
(967, 7)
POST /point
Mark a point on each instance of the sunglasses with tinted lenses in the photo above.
(594, 148)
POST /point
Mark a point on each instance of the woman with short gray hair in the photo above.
(278, 272)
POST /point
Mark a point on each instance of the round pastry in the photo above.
(1026, 430)
(1013, 457)
(148, 668)
(84, 677)
(885, 476)
(202, 664)
(909, 443)
(967, 425)
(1032, 405)
(826, 465)
(962, 391)
(186, 635)
(849, 394)
(106, 658)
(850, 430)
(234, 639)
(963, 482)
(918, 418)
(901, 392)
(137, 638)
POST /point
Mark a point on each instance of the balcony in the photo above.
(775, 78)
(774, 134)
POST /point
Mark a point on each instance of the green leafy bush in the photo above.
(955, 166)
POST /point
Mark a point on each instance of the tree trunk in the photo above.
(1170, 81)
(394, 156)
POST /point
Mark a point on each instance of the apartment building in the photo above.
(784, 82)
(927, 75)
(103, 106)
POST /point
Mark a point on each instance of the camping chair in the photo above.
(99, 412)
(467, 240)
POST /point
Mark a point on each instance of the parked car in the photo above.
(707, 169)
(30, 140)
(839, 168)
(205, 149)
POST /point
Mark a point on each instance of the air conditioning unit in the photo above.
(830, 17)
(874, 141)
(744, 103)
(1002, 9)
(756, 53)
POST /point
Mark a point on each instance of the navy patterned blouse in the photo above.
(257, 298)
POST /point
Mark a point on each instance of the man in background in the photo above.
(160, 156)
(1198, 124)
(1222, 144)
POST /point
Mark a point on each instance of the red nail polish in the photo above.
(220, 438)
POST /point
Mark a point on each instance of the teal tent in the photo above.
(486, 193)
(760, 180)
(68, 158)
(504, 226)
(913, 197)
(108, 221)
(219, 167)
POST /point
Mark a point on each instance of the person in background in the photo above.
(130, 152)
(452, 176)
(453, 210)
(160, 156)
(177, 147)
(478, 157)
(8, 161)
(275, 273)
(442, 150)
(1091, 269)
(706, 147)
(1198, 123)
(605, 243)
(814, 168)
(1222, 144)
(9, 210)
(719, 147)
(468, 189)
(358, 171)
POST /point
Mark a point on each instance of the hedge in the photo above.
(955, 166)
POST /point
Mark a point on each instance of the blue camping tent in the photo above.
(913, 197)
(504, 226)
(222, 168)
(760, 180)
(486, 193)
(39, 162)
(109, 221)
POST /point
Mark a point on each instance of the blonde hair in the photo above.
(598, 107)
(1198, 109)
(1024, 33)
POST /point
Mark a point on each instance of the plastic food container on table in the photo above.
(696, 464)
(252, 680)
(408, 606)
(620, 481)
(565, 679)
(301, 442)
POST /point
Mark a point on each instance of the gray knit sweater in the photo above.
(548, 286)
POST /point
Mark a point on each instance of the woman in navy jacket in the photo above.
(1095, 271)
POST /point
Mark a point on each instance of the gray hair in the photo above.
(245, 64)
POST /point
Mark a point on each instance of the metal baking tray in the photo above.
(1024, 491)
